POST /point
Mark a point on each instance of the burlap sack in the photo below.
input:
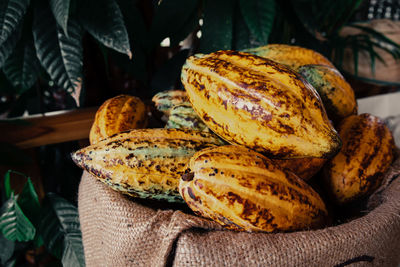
(118, 231)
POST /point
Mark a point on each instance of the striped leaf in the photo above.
(60, 230)
(14, 225)
(60, 55)
(7, 47)
(104, 21)
(11, 13)
(60, 9)
(22, 67)
(259, 16)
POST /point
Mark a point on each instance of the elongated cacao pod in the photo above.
(184, 117)
(166, 100)
(258, 103)
(367, 152)
(118, 114)
(243, 190)
(336, 94)
(145, 163)
(290, 55)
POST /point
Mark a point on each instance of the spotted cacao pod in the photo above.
(145, 163)
(243, 190)
(367, 152)
(305, 168)
(255, 102)
(166, 100)
(336, 94)
(184, 117)
(118, 114)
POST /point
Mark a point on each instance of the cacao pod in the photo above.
(118, 114)
(166, 100)
(244, 190)
(183, 116)
(255, 102)
(367, 152)
(145, 163)
(290, 55)
(336, 94)
(305, 168)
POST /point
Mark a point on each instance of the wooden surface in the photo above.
(49, 128)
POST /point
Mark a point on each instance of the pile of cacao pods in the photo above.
(243, 139)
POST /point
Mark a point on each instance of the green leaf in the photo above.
(7, 47)
(104, 21)
(61, 56)
(60, 9)
(217, 26)
(174, 19)
(29, 202)
(22, 67)
(259, 16)
(7, 185)
(14, 225)
(11, 13)
(60, 230)
(7, 249)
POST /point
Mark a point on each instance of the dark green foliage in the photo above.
(103, 20)
(55, 224)
(11, 14)
(60, 9)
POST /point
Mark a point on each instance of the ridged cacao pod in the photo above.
(336, 94)
(367, 152)
(118, 114)
(183, 116)
(145, 163)
(305, 168)
(292, 56)
(255, 102)
(166, 100)
(243, 190)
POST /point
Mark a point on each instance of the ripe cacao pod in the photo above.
(244, 190)
(166, 100)
(336, 94)
(367, 152)
(258, 103)
(118, 114)
(145, 163)
(290, 55)
(183, 116)
(305, 168)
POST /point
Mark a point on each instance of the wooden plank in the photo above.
(49, 128)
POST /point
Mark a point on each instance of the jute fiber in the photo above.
(118, 231)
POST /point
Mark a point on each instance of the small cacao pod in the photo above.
(336, 94)
(145, 163)
(244, 190)
(290, 55)
(118, 114)
(255, 102)
(183, 116)
(367, 152)
(166, 100)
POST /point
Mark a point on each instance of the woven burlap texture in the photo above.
(117, 231)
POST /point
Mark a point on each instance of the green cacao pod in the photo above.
(145, 163)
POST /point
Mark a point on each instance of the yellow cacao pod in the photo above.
(255, 102)
(336, 94)
(305, 168)
(117, 114)
(145, 163)
(243, 190)
(290, 55)
(367, 152)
